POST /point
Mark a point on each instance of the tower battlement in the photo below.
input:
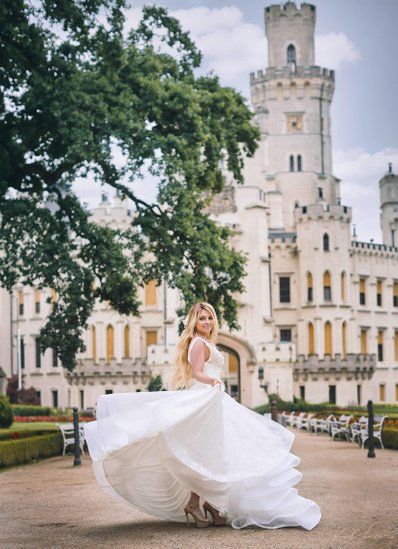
(290, 10)
(274, 73)
(319, 211)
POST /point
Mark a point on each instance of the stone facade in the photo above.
(319, 314)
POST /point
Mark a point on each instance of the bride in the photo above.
(166, 452)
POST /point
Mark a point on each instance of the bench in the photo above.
(68, 436)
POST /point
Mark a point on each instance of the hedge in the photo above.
(17, 435)
(30, 410)
(390, 438)
(15, 452)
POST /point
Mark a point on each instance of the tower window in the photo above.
(299, 163)
(395, 294)
(284, 289)
(326, 243)
(379, 300)
(327, 287)
(320, 192)
(380, 349)
(291, 57)
(310, 291)
(291, 163)
(362, 293)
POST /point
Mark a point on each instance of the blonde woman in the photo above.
(167, 452)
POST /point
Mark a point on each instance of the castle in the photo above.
(319, 315)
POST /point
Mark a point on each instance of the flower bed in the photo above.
(56, 419)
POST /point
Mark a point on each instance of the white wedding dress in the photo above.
(152, 449)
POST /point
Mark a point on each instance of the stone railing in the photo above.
(351, 365)
(126, 367)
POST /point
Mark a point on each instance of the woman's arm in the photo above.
(198, 358)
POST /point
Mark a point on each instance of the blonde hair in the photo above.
(182, 376)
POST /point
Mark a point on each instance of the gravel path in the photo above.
(52, 504)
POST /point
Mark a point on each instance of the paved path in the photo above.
(54, 505)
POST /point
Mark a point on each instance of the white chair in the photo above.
(356, 429)
(377, 431)
(341, 427)
(68, 436)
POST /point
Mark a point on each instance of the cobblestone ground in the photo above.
(52, 504)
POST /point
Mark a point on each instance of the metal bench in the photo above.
(68, 436)
(377, 431)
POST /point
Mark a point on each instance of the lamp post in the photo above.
(261, 379)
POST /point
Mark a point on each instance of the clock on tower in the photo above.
(295, 123)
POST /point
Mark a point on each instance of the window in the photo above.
(110, 344)
(326, 244)
(150, 293)
(344, 339)
(37, 353)
(359, 394)
(310, 291)
(328, 338)
(380, 345)
(22, 352)
(285, 334)
(54, 358)
(364, 341)
(379, 293)
(54, 394)
(151, 337)
(396, 346)
(302, 392)
(291, 55)
(311, 339)
(37, 300)
(81, 393)
(94, 343)
(284, 289)
(327, 287)
(38, 396)
(332, 394)
(20, 303)
(362, 294)
(395, 294)
(299, 163)
(108, 391)
(382, 392)
(291, 163)
(127, 341)
(320, 192)
(342, 286)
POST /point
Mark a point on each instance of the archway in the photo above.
(232, 376)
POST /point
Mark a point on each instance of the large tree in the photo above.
(81, 98)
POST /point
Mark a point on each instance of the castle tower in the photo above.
(389, 207)
(292, 98)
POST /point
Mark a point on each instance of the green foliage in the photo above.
(26, 410)
(15, 452)
(155, 384)
(92, 103)
(390, 438)
(6, 417)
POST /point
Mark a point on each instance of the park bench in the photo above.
(68, 436)
(356, 428)
(341, 427)
(321, 424)
(305, 422)
(377, 431)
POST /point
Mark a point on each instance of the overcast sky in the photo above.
(357, 38)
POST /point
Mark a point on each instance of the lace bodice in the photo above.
(213, 366)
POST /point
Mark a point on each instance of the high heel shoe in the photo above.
(197, 516)
(218, 520)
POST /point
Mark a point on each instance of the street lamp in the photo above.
(261, 379)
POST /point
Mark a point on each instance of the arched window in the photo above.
(311, 339)
(299, 163)
(344, 339)
(127, 341)
(291, 57)
(328, 338)
(291, 163)
(310, 291)
(327, 286)
(94, 343)
(343, 284)
(326, 243)
(110, 344)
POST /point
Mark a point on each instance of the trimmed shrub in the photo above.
(390, 438)
(14, 434)
(29, 410)
(15, 452)
(6, 417)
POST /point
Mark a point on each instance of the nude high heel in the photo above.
(196, 515)
(218, 520)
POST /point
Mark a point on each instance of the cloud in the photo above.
(335, 49)
(360, 173)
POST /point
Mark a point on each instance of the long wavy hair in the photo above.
(183, 373)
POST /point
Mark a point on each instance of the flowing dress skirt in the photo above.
(152, 449)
